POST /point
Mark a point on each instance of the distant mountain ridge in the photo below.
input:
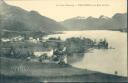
(117, 22)
(17, 19)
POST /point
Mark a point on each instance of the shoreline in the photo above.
(37, 72)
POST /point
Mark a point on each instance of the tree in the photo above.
(43, 57)
(78, 45)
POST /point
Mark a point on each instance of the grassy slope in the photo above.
(12, 67)
(17, 70)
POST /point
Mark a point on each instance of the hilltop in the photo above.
(17, 19)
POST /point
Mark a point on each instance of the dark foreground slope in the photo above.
(17, 71)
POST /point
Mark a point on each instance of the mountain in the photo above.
(117, 22)
(17, 19)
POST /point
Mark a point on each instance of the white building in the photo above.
(18, 38)
(31, 39)
(44, 39)
(39, 53)
(47, 55)
(5, 39)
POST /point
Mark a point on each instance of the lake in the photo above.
(106, 61)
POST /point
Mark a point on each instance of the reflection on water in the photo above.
(107, 61)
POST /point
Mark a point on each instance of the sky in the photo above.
(60, 10)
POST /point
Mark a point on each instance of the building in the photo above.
(5, 40)
(44, 39)
(44, 55)
(13, 39)
(18, 38)
(32, 40)
(42, 52)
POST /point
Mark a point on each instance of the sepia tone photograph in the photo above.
(63, 41)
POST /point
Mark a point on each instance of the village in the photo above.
(38, 53)
(45, 50)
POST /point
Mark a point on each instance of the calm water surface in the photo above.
(106, 61)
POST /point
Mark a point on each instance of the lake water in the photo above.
(106, 61)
